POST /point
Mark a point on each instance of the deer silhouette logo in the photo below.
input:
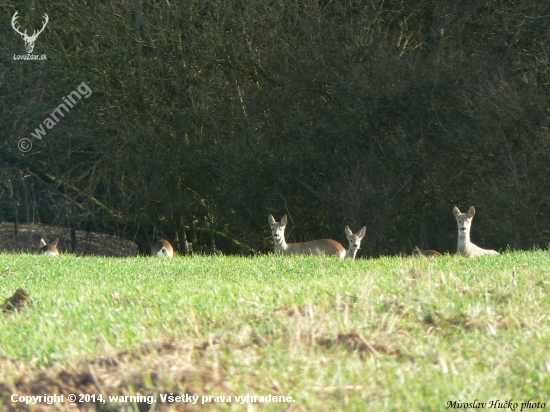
(29, 40)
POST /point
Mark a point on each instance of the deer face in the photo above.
(277, 229)
(355, 238)
(29, 44)
(464, 220)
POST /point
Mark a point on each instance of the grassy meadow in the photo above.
(389, 334)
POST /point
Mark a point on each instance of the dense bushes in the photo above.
(207, 116)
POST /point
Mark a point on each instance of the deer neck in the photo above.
(280, 245)
(463, 242)
(350, 253)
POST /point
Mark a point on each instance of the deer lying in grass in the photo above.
(328, 247)
(354, 241)
(465, 247)
(162, 248)
(425, 253)
(49, 248)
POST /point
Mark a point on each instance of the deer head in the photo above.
(29, 40)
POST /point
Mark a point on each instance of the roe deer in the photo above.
(49, 248)
(465, 247)
(354, 241)
(314, 247)
(162, 248)
(425, 253)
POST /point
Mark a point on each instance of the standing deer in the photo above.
(49, 249)
(162, 248)
(328, 247)
(29, 40)
(425, 253)
(354, 241)
(465, 247)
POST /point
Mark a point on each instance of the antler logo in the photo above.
(29, 40)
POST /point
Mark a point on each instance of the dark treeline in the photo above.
(206, 116)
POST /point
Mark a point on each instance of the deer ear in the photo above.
(284, 221)
(54, 243)
(42, 242)
(456, 211)
(471, 212)
(348, 232)
(271, 220)
(362, 232)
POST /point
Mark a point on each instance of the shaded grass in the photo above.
(384, 334)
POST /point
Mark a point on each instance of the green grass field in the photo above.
(323, 334)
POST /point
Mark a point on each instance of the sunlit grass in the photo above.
(384, 334)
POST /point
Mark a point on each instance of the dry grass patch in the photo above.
(356, 342)
(154, 369)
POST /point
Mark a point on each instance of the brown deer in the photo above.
(49, 248)
(162, 248)
(328, 247)
(425, 253)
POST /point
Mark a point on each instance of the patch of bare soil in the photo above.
(18, 301)
(170, 367)
(295, 311)
(355, 342)
(87, 243)
(352, 342)
(165, 368)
